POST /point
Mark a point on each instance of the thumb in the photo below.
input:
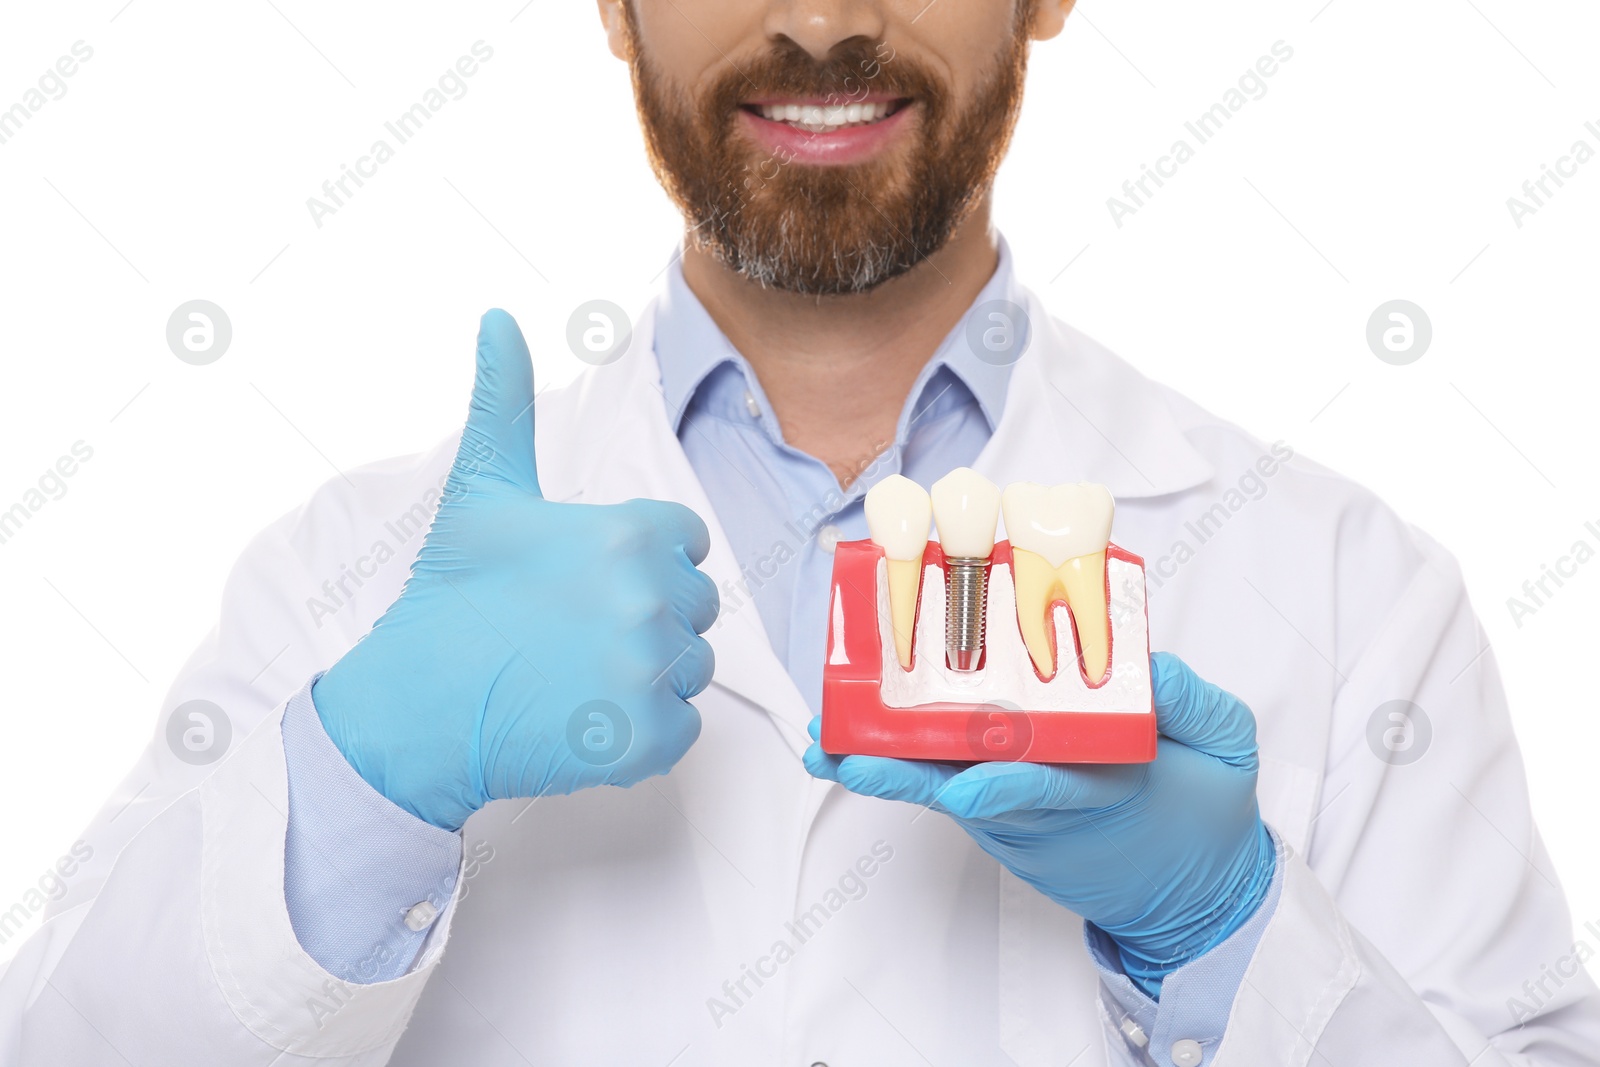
(499, 433)
(1205, 717)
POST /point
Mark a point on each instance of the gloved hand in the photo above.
(537, 648)
(1168, 857)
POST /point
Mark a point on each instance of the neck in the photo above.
(838, 369)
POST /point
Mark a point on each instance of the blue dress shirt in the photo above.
(782, 511)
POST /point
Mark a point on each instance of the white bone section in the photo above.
(1007, 677)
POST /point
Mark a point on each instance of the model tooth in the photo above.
(898, 510)
(1059, 536)
(966, 506)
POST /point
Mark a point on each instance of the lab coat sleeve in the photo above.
(173, 943)
(1425, 924)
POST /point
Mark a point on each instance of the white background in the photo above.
(178, 163)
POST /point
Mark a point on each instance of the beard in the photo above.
(827, 230)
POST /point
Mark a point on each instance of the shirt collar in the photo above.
(980, 351)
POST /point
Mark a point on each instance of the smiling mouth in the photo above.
(826, 118)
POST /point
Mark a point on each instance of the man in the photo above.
(1320, 899)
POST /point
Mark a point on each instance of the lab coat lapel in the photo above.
(1075, 411)
(620, 445)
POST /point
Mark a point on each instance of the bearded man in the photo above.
(405, 857)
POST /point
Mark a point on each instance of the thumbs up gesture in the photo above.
(537, 648)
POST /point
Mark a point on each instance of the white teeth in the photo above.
(821, 118)
(1058, 540)
(898, 510)
(965, 508)
(1059, 522)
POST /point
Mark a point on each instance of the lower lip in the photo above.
(852, 144)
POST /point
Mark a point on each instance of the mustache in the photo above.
(852, 70)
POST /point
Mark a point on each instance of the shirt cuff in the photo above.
(1186, 1026)
(363, 878)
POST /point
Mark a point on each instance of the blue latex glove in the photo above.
(537, 648)
(1168, 857)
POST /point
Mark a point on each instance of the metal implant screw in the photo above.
(966, 603)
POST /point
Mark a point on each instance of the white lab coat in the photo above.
(601, 926)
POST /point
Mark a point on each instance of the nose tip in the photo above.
(820, 26)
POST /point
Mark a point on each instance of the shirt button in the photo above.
(1187, 1053)
(828, 537)
(750, 404)
(422, 914)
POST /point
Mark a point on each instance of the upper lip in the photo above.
(823, 101)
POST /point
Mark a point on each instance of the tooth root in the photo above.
(1038, 586)
(1081, 583)
(905, 579)
(1084, 579)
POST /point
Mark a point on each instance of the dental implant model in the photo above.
(1044, 635)
(966, 506)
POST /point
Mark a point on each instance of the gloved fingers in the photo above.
(695, 594)
(498, 437)
(820, 764)
(661, 736)
(678, 524)
(690, 671)
(911, 781)
(993, 790)
(1193, 712)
